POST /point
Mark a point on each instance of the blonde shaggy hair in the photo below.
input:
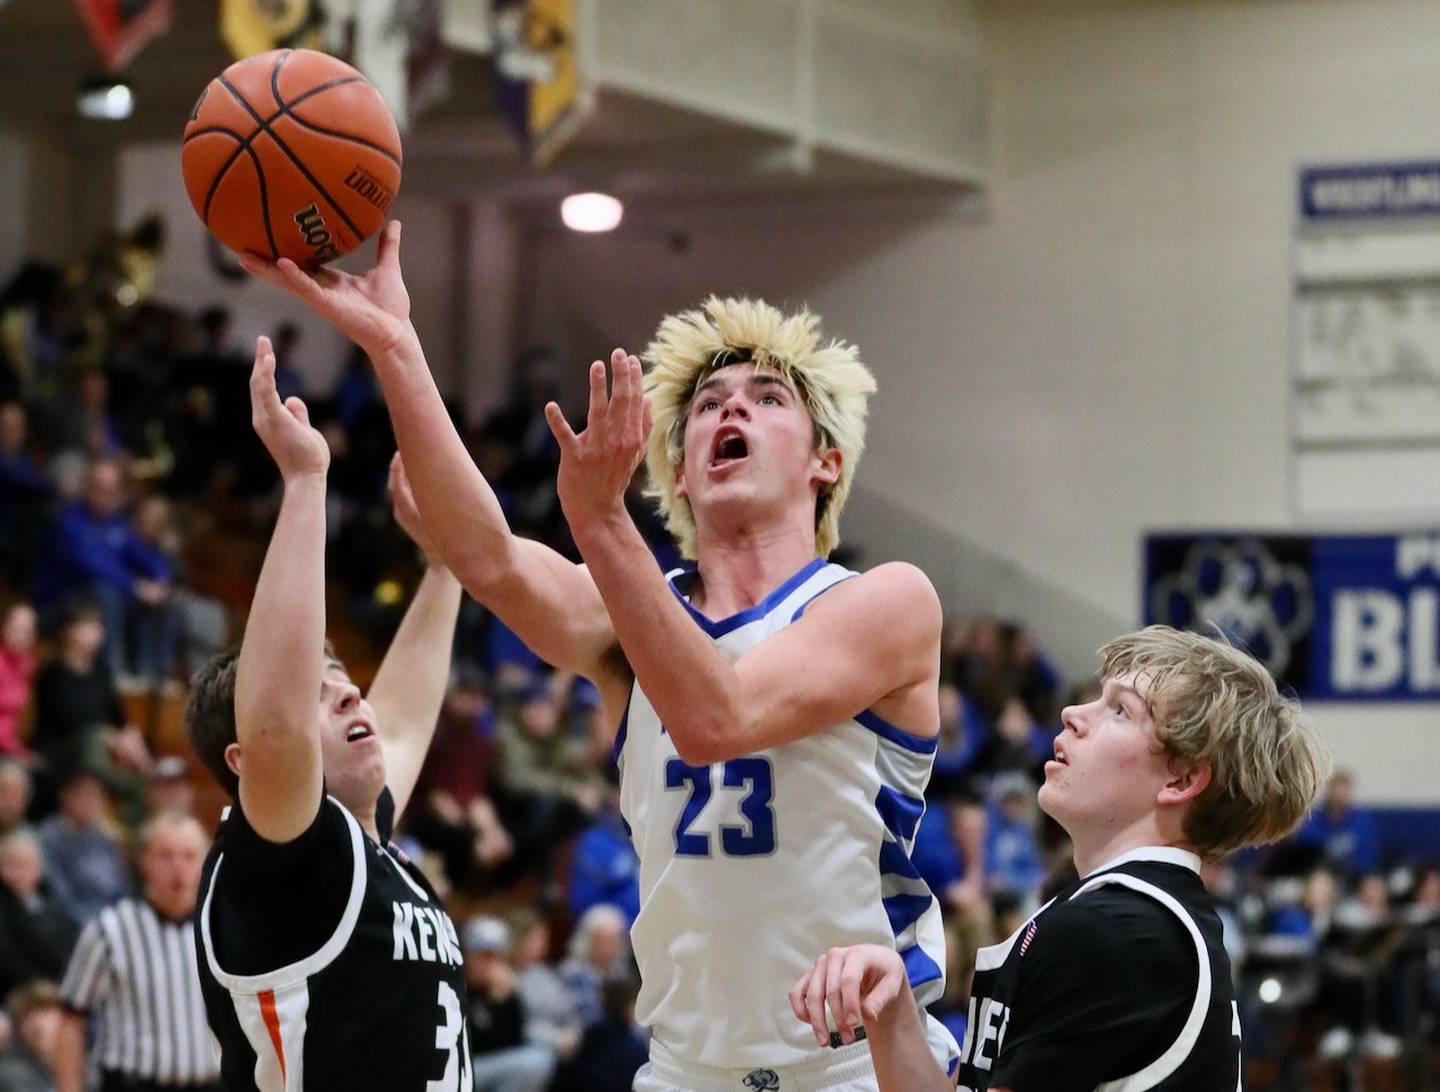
(1211, 702)
(830, 379)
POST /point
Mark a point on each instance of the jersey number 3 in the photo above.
(450, 1037)
(751, 773)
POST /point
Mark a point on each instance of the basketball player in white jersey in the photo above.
(776, 715)
(1122, 980)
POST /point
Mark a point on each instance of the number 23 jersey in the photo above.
(329, 962)
(751, 868)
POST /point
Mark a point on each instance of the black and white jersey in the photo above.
(1119, 984)
(328, 962)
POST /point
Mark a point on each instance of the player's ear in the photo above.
(827, 464)
(232, 758)
(1187, 781)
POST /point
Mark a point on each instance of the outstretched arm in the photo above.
(551, 603)
(410, 686)
(866, 986)
(872, 638)
(282, 657)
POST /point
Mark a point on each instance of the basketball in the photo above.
(291, 154)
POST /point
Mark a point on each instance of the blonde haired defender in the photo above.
(830, 378)
(1213, 703)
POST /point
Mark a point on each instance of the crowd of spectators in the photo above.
(127, 462)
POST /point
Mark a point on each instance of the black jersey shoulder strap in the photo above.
(300, 970)
(1173, 1056)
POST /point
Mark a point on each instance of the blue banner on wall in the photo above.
(1335, 617)
(1370, 190)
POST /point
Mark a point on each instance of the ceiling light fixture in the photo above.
(105, 99)
(591, 212)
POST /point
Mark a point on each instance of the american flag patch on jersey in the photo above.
(1029, 936)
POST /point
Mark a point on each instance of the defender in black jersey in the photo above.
(326, 959)
(1121, 982)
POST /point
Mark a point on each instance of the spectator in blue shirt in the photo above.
(99, 554)
(1344, 834)
(605, 868)
(1012, 854)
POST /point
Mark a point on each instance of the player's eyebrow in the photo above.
(758, 379)
(1119, 689)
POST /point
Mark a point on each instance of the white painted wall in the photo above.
(1104, 347)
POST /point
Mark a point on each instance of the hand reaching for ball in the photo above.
(284, 427)
(372, 310)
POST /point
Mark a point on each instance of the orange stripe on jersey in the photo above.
(272, 1025)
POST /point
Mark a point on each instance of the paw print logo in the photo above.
(1260, 604)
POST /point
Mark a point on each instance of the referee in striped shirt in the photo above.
(134, 973)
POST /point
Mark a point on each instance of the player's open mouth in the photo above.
(730, 447)
(358, 731)
(1060, 755)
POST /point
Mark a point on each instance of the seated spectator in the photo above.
(451, 811)
(29, 1064)
(548, 785)
(97, 553)
(605, 869)
(79, 720)
(86, 865)
(1364, 934)
(614, 1047)
(504, 1061)
(36, 935)
(17, 672)
(169, 790)
(1344, 833)
(86, 424)
(551, 1019)
(25, 495)
(1019, 744)
(1037, 679)
(1012, 854)
(14, 795)
(598, 953)
(963, 736)
(197, 626)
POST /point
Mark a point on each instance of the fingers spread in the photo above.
(599, 402)
(622, 397)
(559, 427)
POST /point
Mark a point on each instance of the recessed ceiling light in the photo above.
(591, 212)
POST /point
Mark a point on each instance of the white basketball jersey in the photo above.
(751, 868)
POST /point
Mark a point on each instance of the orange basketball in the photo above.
(292, 154)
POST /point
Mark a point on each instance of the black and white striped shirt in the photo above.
(135, 970)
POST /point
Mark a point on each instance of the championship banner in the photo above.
(120, 29)
(1335, 617)
(537, 80)
(255, 26)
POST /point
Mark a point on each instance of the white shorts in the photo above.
(845, 1069)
